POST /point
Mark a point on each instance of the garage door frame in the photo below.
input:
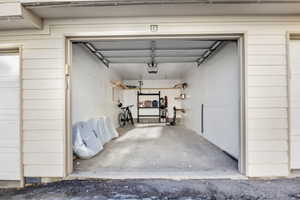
(8, 48)
(239, 37)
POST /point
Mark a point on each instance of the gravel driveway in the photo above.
(159, 190)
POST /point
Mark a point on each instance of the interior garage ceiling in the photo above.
(166, 71)
(130, 58)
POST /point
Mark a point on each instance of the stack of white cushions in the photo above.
(89, 137)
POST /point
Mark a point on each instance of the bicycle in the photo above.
(125, 116)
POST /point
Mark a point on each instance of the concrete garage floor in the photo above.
(153, 151)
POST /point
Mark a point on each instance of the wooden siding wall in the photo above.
(266, 81)
(267, 105)
(43, 104)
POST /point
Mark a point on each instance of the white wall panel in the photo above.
(92, 91)
(215, 84)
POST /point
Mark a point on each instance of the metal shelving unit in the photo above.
(139, 93)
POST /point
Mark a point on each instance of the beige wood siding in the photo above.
(267, 105)
(266, 86)
(43, 107)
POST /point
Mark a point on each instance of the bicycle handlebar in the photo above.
(124, 107)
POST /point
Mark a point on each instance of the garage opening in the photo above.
(155, 108)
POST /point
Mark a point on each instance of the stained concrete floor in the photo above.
(154, 151)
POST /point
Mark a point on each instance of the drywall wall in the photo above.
(130, 96)
(215, 84)
(92, 91)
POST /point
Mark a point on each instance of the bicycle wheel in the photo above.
(122, 120)
(130, 117)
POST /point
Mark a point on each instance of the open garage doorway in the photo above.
(186, 102)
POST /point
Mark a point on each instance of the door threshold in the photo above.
(157, 175)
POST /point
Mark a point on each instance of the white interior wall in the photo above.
(92, 92)
(216, 85)
(130, 96)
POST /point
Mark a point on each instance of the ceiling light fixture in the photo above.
(152, 68)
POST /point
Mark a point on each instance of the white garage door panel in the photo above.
(9, 83)
(10, 99)
(9, 175)
(8, 150)
(9, 117)
(7, 159)
(295, 103)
